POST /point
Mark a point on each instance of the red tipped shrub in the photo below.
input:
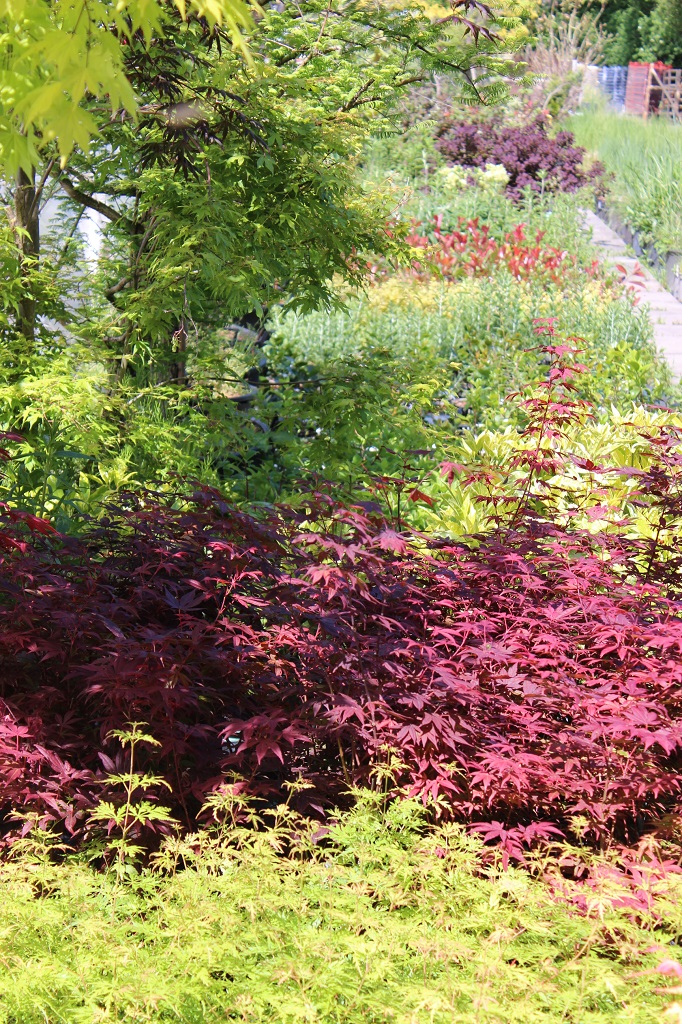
(471, 251)
(526, 678)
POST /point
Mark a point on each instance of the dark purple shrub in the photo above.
(525, 151)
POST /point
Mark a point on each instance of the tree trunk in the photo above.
(28, 229)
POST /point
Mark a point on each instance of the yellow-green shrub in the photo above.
(384, 920)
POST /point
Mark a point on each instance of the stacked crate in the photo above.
(645, 88)
(671, 99)
(637, 91)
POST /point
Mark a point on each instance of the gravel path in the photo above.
(664, 310)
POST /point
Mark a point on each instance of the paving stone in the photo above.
(663, 308)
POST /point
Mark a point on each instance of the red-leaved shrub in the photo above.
(526, 677)
(471, 251)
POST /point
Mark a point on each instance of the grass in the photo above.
(387, 920)
(645, 158)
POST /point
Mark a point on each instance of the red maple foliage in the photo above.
(525, 677)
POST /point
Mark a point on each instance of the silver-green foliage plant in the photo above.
(485, 327)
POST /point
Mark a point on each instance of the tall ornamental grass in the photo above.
(646, 159)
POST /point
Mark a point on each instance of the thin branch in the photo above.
(277, 383)
(41, 185)
(410, 81)
(465, 72)
(72, 232)
(313, 51)
(145, 239)
(152, 387)
(355, 101)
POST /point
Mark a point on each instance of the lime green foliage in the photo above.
(57, 57)
(84, 442)
(644, 157)
(124, 818)
(224, 246)
(343, 421)
(606, 444)
(385, 919)
(43, 283)
(68, 452)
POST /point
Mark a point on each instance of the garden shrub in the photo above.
(531, 156)
(527, 677)
(471, 251)
(435, 350)
(384, 918)
(599, 444)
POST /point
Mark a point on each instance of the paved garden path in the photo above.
(665, 311)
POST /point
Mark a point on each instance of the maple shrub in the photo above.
(525, 681)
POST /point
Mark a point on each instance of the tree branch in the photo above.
(409, 81)
(355, 101)
(110, 292)
(41, 185)
(72, 232)
(85, 200)
(463, 71)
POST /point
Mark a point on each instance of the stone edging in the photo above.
(671, 262)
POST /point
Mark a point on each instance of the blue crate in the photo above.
(612, 82)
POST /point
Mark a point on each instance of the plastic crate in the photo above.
(613, 82)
